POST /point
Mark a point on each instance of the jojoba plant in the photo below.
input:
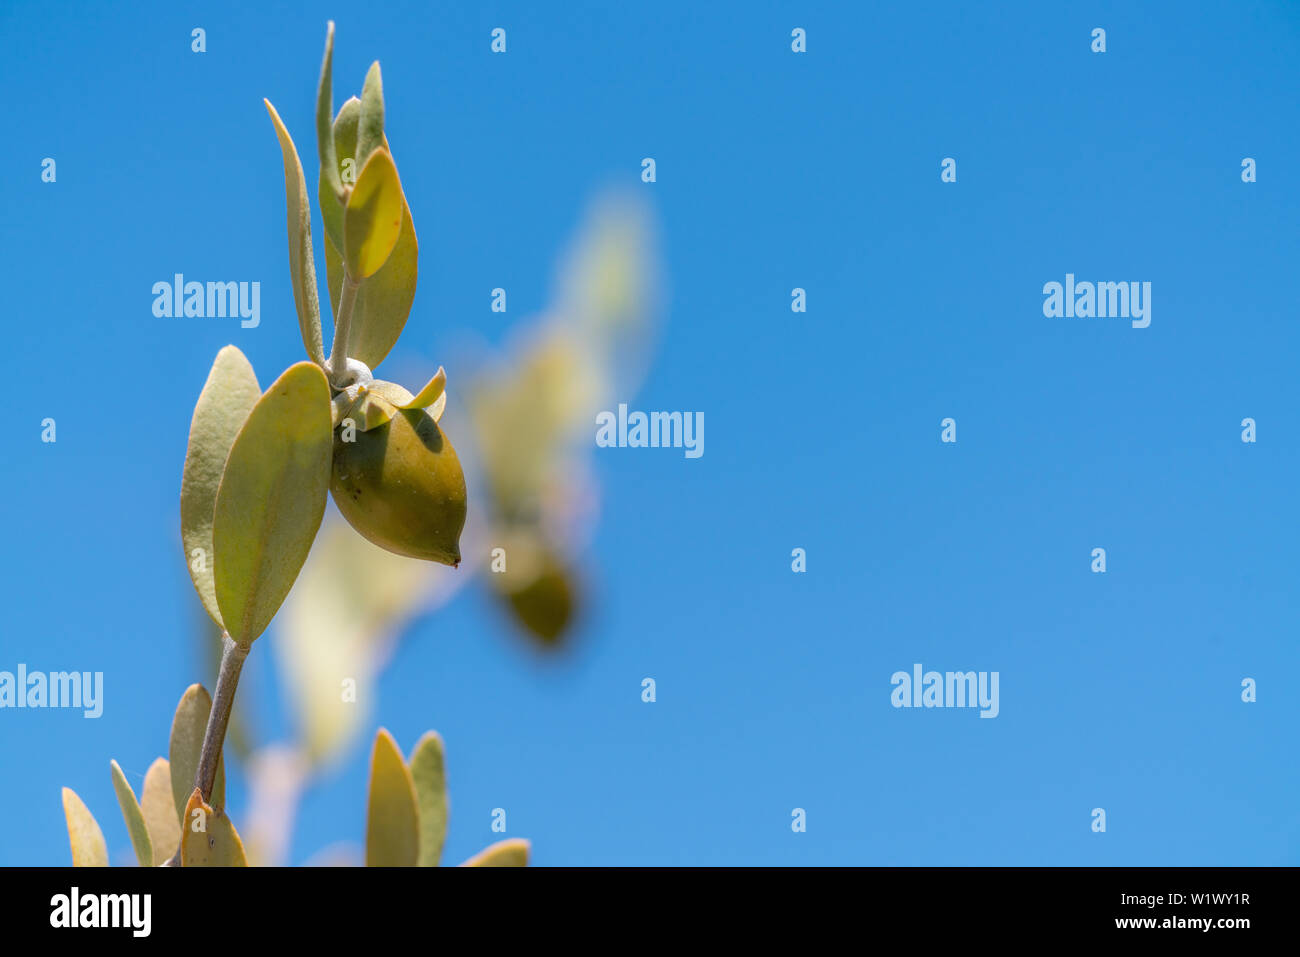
(253, 491)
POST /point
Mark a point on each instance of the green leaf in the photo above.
(134, 818)
(158, 806)
(227, 397)
(302, 264)
(431, 393)
(87, 840)
(370, 127)
(384, 300)
(271, 499)
(392, 818)
(185, 746)
(429, 774)
(372, 220)
(508, 853)
(344, 140)
(329, 166)
(208, 839)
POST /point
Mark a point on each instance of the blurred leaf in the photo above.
(324, 117)
(228, 396)
(384, 300)
(158, 805)
(271, 499)
(134, 818)
(512, 852)
(370, 125)
(429, 774)
(337, 625)
(87, 840)
(302, 264)
(216, 844)
(185, 746)
(372, 219)
(537, 587)
(392, 819)
(431, 393)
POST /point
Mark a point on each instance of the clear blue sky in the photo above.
(775, 170)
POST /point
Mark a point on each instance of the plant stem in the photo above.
(205, 776)
(342, 324)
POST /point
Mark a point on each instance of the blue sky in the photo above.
(775, 170)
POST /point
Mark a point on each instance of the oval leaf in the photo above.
(134, 818)
(271, 499)
(429, 774)
(227, 397)
(208, 839)
(159, 808)
(87, 840)
(186, 744)
(370, 126)
(302, 264)
(343, 139)
(509, 853)
(372, 220)
(392, 818)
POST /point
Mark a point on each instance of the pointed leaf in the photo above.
(228, 396)
(343, 139)
(384, 300)
(185, 746)
(430, 393)
(302, 264)
(134, 818)
(372, 219)
(324, 116)
(392, 818)
(87, 840)
(271, 499)
(429, 774)
(508, 853)
(158, 806)
(208, 839)
(370, 127)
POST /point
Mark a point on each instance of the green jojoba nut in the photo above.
(401, 486)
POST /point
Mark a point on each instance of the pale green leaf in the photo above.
(370, 126)
(186, 744)
(158, 806)
(392, 818)
(302, 264)
(512, 852)
(87, 840)
(271, 499)
(428, 772)
(372, 219)
(134, 818)
(208, 839)
(228, 396)
(324, 117)
(344, 140)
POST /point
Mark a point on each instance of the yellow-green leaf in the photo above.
(302, 265)
(384, 300)
(372, 220)
(158, 806)
(429, 774)
(431, 393)
(134, 818)
(343, 139)
(392, 818)
(227, 397)
(512, 852)
(271, 499)
(370, 126)
(87, 840)
(208, 839)
(186, 744)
